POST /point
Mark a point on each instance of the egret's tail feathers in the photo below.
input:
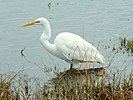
(101, 59)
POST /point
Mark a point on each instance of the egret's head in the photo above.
(39, 21)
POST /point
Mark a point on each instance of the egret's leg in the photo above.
(71, 66)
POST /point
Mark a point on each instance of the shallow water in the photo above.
(99, 22)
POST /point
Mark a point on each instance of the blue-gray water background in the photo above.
(100, 22)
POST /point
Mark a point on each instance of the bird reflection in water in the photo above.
(73, 76)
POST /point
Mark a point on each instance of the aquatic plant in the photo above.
(127, 44)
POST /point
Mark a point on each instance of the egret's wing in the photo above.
(74, 47)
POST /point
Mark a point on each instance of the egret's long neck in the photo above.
(45, 36)
(46, 32)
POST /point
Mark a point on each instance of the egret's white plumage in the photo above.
(67, 46)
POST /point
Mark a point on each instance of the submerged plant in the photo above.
(127, 44)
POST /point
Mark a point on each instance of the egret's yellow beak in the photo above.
(30, 23)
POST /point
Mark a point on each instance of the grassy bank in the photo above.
(69, 85)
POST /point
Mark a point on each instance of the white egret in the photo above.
(67, 46)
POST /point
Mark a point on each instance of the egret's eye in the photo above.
(37, 21)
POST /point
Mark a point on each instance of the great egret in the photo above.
(67, 46)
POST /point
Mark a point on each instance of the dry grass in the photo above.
(69, 85)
